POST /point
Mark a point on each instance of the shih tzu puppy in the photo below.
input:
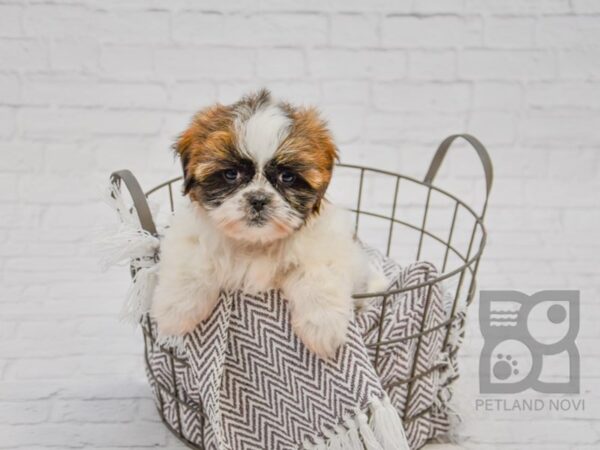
(255, 174)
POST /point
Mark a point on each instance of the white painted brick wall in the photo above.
(89, 87)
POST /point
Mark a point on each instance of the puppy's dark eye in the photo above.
(231, 175)
(287, 177)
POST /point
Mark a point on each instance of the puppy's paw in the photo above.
(179, 315)
(322, 331)
(377, 281)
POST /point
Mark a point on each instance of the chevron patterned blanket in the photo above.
(243, 381)
(260, 388)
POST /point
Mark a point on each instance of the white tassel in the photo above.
(455, 330)
(319, 444)
(176, 343)
(342, 437)
(333, 440)
(366, 433)
(387, 426)
(345, 441)
(129, 243)
(123, 244)
(139, 296)
(353, 439)
(113, 197)
(307, 445)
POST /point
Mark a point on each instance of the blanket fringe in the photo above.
(343, 437)
(387, 426)
(353, 438)
(366, 433)
(123, 243)
(334, 438)
(130, 243)
(353, 434)
(175, 343)
(139, 296)
(127, 241)
(318, 445)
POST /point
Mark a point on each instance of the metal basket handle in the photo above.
(140, 203)
(483, 154)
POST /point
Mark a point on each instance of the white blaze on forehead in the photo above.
(260, 135)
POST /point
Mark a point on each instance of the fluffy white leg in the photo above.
(188, 289)
(180, 304)
(321, 308)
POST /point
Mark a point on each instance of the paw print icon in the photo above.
(525, 334)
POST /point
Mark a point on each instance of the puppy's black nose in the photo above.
(258, 203)
(258, 200)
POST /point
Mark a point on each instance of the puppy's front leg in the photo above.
(321, 308)
(187, 290)
(181, 301)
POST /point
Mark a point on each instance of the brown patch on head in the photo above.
(309, 149)
(206, 144)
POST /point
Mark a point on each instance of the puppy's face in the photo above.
(258, 167)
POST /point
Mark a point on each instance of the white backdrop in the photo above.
(90, 87)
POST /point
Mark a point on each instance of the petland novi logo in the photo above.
(529, 342)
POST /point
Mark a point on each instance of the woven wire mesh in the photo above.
(434, 225)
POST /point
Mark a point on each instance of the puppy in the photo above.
(255, 174)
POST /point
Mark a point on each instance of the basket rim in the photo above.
(467, 263)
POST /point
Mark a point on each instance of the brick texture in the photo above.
(91, 87)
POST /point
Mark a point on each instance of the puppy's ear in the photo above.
(310, 125)
(183, 149)
(312, 135)
(192, 144)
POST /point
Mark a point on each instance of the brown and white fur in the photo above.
(255, 174)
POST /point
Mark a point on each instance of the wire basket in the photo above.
(404, 218)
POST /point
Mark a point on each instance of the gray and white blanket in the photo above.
(243, 380)
(260, 388)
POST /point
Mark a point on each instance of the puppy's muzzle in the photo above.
(258, 200)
